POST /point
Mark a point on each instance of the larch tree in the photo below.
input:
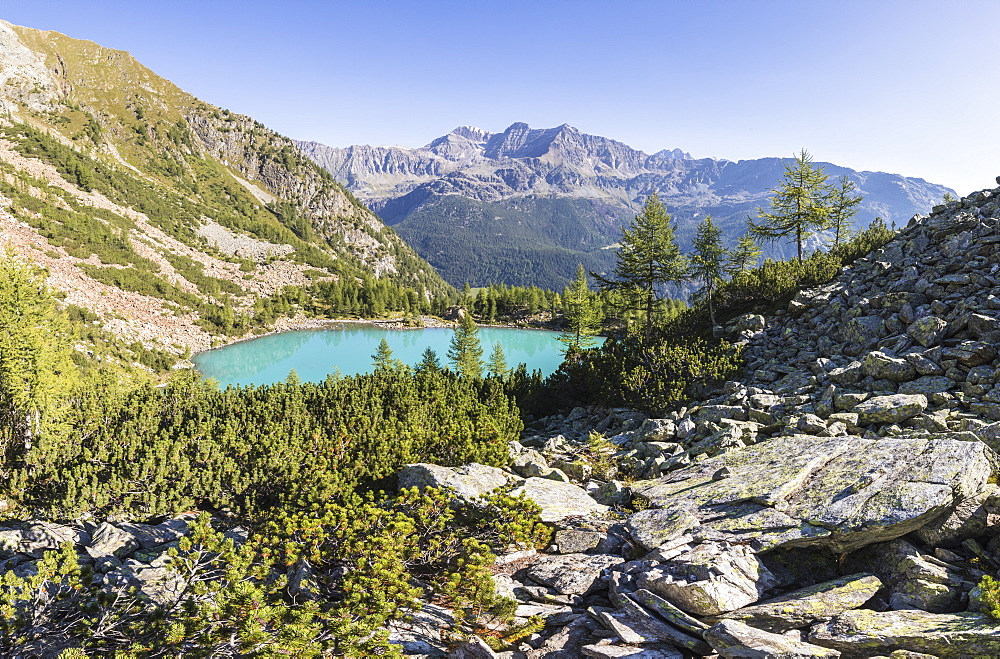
(746, 254)
(497, 366)
(648, 260)
(581, 313)
(710, 261)
(37, 373)
(465, 350)
(843, 203)
(799, 206)
(382, 359)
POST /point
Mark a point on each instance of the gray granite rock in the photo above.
(658, 526)
(732, 638)
(913, 579)
(890, 409)
(808, 606)
(927, 331)
(884, 367)
(469, 481)
(559, 500)
(863, 632)
(107, 540)
(837, 492)
(660, 651)
(571, 574)
(710, 579)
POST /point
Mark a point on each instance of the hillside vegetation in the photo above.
(172, 220)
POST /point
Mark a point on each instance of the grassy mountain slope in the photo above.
(163, 214)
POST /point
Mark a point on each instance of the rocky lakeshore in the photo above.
(839, 499)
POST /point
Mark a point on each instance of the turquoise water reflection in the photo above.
(314, 354)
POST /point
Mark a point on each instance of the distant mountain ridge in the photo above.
(523, 206)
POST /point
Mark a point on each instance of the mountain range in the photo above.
(152, 209)
(525, 205)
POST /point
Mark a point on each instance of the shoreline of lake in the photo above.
(315, 348)
(296, 324)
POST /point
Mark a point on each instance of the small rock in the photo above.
(890, 409)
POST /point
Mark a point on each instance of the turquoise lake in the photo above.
(314, 354)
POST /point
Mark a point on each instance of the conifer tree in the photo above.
(37, 374)
(799, 205)
(583, 319)
(709, 263)
(382, 359)
(843, 203)
(429, 362)
(465, 351)
(746, 254)
(647, 260)
(497, 365)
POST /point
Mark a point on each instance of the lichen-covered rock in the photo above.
(658, 526)
(890, 409)
(846, 375)
(884, 367)
(575, 541)
(472, 648)
(732, 638)
(664, 609)
(970, 353)
(927, 331)
(659, 630)
(655, 430)
(469, 481)
(864, 330)
(149, 536)
(529, 463)
(927, 385)
(913, 580)
(970, 518)
(710, 579)
(571, 574)
(837, 492)
(559, 500)
(45, 536)
(863, 632)
(108, 539)
(807, 606)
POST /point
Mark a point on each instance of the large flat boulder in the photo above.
(559, 500)
(863, 632)
(470, 481)
(842, 493)
(808, 606)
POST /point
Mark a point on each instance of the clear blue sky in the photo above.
(904, 86)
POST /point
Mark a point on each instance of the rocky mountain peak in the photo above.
(672, 154)
(23, 75)
(463, 143)
(472, 133)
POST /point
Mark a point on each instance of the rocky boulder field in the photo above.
(839, 499)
